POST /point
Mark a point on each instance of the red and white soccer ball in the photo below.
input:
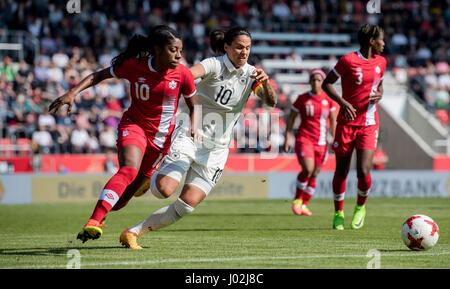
(420, 232)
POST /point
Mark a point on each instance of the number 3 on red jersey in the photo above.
(359, 76)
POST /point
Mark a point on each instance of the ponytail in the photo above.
(217, 41)
(218, 38)
(140, 45)
(161, 36)
(137, 46)
(367, 32)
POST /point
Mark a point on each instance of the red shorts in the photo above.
(349, 137)
(305, 148)
(132, 134)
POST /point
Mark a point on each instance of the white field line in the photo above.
(233, 259)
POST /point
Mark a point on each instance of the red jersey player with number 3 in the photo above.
(157, 80)
(318, 115)
(361, 74)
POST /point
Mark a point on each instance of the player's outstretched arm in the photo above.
(195, 117)
(69, 97)
(265, 91)
(333, 122)
(198, 71)
(289, 126)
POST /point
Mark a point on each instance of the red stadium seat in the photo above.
(23, 146)
(6, 147)
(442, 116)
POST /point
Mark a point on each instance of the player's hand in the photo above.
(286, 146)
(196, 136)
(349, 110)
(68, 98)
(375, 96)
(260, 76)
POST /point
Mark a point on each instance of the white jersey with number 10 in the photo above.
(222, 93)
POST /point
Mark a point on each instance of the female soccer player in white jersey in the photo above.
(226, 83)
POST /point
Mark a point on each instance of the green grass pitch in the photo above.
(234, 234)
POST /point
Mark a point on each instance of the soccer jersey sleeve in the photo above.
(296, 105)
(333, 105)
(342, 66)
(188, 88)
(385, 64)
(210, 65)
(123, 70)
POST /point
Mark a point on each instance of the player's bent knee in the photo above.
(162, 187)
(154, 188)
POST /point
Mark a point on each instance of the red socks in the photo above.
(112, 191)
(302, 182)
(310, 190)
(364, 185)
(339, 183)
(305, 188)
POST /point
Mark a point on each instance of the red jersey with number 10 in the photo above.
(314, 112)
(360, 77)
(154, 96)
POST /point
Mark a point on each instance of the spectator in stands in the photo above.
(6, 69)
(42, 141)
(79, 140)
(3, 114)
(60, 136)
(46, 121)
(418, 85)
(92, 145)
(110, 164)
(30, 124)
(107, 138)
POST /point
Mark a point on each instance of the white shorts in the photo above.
(203, 166)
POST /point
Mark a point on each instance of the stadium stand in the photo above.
(45, 51)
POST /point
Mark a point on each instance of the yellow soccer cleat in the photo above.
(129, 240)
(142, 189)
(338, 220)
(358, 217)
(306, 211)
(91, 231)
(297, 206)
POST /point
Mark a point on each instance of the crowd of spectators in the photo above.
(73, 45)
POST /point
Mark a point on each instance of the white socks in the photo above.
(163, 217)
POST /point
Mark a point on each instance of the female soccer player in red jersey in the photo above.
(317, 113)
(157, 79)
(361, 74)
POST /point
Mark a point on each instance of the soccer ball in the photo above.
(420, 232)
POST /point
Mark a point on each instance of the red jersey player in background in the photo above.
(157, 79)
(318, 114)
(361, 74)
